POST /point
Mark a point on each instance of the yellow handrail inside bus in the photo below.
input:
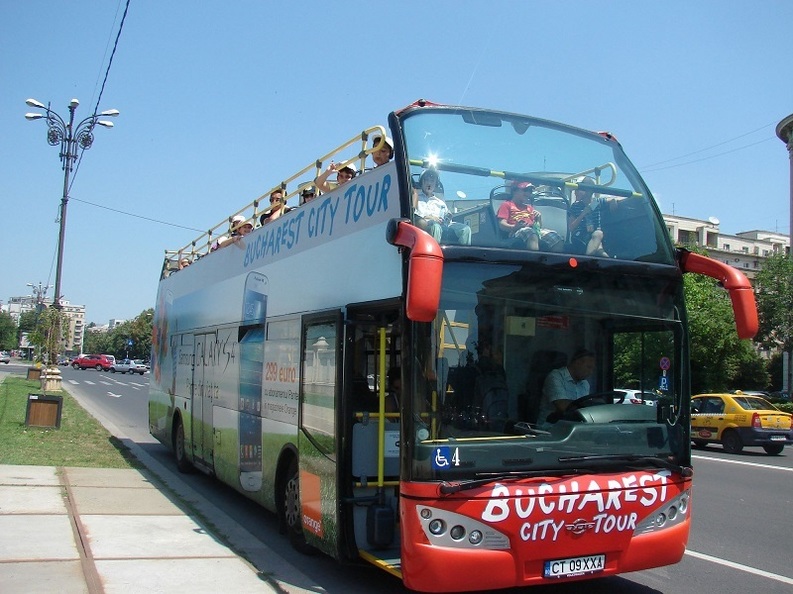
(381, 424)
(202, 245)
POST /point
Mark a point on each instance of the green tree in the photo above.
(28, 321)
(718, 357)
(96, 342)
(8, 332)
(116, 341)
(774, 291)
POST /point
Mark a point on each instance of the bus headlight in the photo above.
(449, 529)
(437, 527)
(457, 532)
(670, 514)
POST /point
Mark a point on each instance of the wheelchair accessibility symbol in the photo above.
(441, 458)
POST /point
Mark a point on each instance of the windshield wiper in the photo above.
(640, 459)
(447, 488)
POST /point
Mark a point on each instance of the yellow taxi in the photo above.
(738, 420)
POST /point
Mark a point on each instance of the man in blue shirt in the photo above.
(566, 384)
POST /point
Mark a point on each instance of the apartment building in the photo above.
(75, 314)
(745, 250)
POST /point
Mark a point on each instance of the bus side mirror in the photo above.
(425, 269)
(736, 283)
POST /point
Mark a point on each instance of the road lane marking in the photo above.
(741, 567)
(105, 383)
(89, 382)
(742, 463)
(114, 395)
(74, 382)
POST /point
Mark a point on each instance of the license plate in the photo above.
(573, 566)
(777, 438)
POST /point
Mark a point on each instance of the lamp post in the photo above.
(69, 137)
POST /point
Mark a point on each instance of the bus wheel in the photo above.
(731, 442)
(774, 449)
(290, 510)
(182, 463)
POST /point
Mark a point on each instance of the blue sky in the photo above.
(219, 100)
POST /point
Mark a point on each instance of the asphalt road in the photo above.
(741, 504)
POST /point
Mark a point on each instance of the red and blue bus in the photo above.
(379, 387)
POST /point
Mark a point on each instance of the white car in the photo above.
(5, 357)
(129, 365)
(635, 397)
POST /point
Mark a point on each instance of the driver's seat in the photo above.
(542, 363)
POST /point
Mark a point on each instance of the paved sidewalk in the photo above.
(91, 530)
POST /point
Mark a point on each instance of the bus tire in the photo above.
(774, 449)
(731, 442)
(290, 510)
(182, 463)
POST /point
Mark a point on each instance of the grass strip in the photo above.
(81, 440)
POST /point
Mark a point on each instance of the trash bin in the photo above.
(44, 411)
(34, 373)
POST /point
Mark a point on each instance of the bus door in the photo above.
(318, 438)
(202, 392)
(371, 413)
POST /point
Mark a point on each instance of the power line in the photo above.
(740, 148)
(113, 53)
(104, 81)
(707, 148)
(137, 216)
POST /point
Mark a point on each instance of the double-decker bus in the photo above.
(272, 358)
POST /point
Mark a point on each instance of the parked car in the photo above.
(738, 420)
(635, 397)
(98, 362)
(5, 357)
(129, 365)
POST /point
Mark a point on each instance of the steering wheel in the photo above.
(596, 399)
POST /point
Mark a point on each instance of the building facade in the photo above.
(73, 331)
(745, 251)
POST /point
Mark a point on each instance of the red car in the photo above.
(98, 362)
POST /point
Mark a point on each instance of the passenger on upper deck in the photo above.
(343, 175)
(385, 153)
(238, 229)
(518, 218)
(433, 215)
(277, 207)
(307, 195)
(583, 221)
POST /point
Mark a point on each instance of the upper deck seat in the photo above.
(550, 204)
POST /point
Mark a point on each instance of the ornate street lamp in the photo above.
(69, 137)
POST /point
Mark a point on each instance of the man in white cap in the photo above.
(239, 227)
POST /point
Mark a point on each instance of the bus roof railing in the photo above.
(202, 245)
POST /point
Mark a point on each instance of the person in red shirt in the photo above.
(518, 218)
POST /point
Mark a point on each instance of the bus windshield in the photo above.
(502, 330)
(480, 158)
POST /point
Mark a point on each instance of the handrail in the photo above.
(596, 173)
(202, 245)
